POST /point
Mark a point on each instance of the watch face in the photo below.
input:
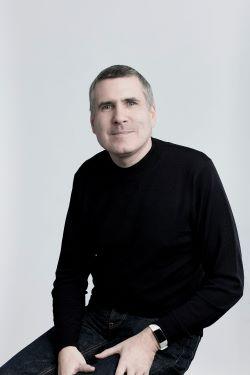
(159, 335)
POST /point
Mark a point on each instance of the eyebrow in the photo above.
(123, 100)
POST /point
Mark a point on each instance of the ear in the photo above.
(153, 115)
(92, 122)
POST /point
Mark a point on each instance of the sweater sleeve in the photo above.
(73, 268)
(217, 243)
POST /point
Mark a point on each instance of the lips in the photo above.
(127, 132)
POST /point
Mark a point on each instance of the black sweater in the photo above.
(158, 237)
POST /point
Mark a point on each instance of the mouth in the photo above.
(122, 133)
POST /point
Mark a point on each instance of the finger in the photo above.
(87, 368)
(107, 352)
(120, 370)
(133, 371)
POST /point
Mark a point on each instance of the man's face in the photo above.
(122, 121)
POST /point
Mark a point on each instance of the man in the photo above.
(151, 222)
(156, 232)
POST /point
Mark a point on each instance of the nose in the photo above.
(119, 115)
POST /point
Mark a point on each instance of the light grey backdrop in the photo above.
(195, 54)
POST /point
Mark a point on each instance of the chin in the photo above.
(123, 146)
(122, 149)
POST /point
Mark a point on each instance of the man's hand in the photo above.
(136, 353)
(71, 361)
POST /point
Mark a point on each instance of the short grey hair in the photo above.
(117, 71)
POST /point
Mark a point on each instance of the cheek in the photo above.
(142, 120)
(101, 122)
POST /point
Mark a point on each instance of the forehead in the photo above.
(115, 88)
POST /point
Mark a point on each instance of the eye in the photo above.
(131, 102)
(106, 106)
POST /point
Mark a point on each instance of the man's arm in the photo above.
(218, 248)
(69, 287)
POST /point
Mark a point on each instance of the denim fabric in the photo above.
(101, 328)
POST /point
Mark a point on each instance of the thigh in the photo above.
(176, 358)
(35, 358)
(104, 366)
(40, 357)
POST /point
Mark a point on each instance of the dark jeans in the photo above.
(101, 328)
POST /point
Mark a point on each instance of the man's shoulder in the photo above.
(91, 164)
(182, 155)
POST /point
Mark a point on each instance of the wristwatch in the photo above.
(159, 335)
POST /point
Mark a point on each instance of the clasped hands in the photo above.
(136, 353)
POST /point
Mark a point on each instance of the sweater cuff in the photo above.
(171, 327)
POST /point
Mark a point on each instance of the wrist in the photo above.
(67, 349)
(152, 338)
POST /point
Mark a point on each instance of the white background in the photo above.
(195, 54)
